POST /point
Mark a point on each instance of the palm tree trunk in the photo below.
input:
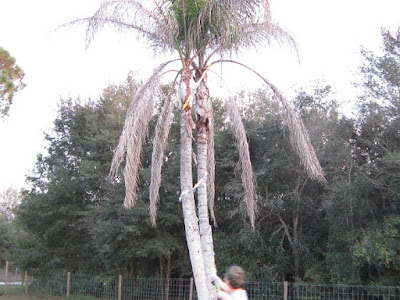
(187, 197)
(203, 110)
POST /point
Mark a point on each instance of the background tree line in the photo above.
(344, 231)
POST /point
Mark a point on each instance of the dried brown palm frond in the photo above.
(159, 143)
(154, 22)
(298, 133)
(252, 37)
(231, 25)
(135, 139)
(256, 34)
(244, 158)
(134, 133)
(211, 168)
(267, 15)
(299, 137)
(132, 116)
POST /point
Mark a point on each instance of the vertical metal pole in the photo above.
(120, 287)
(285, 290)
(68, 283)
(191, 289)
(26, 282)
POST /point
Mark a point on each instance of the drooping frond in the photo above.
(154, 22)
(299, 137)
(256, 34)
(133, 153)
(298, 133)
(134, 133)
(227, 24)
(244, 158)
(211, 168)
(159, 144)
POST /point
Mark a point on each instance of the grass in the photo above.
(15, 292)
(24, 297)
(12, 289)
(18, 293)
(18, 297)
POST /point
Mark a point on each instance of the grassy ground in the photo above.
(18, 293)
(25, 297)
(20, 296)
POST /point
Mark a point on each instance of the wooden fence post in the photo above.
(6, 279)
(26, 282)
(285, 290)
(191, 289)
(120, 287)
(68, 283)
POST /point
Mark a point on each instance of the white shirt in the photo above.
(239, 295)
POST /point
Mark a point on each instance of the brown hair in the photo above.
(235, 275)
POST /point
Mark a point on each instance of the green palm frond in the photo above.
(222, 25)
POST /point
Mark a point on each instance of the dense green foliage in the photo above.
(9, 200)
(345, 231)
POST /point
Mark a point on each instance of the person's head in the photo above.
(235, 275)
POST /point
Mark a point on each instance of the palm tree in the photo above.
(198, 31)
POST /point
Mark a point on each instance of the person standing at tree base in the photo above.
(231, 288)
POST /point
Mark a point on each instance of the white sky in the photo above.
(328, 35)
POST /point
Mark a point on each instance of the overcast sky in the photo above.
(328, 34)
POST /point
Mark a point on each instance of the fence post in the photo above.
(26, 282)
(285, 290)
(120, 287)
(191, 289)
(6, 279)
(68, 283)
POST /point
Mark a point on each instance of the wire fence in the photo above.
(83, 286)
(9, 272)
(87, 287)
(305, 291)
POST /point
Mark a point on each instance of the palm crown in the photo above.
(197, 30)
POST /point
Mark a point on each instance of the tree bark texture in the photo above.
(187, 197)
(203, 111)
